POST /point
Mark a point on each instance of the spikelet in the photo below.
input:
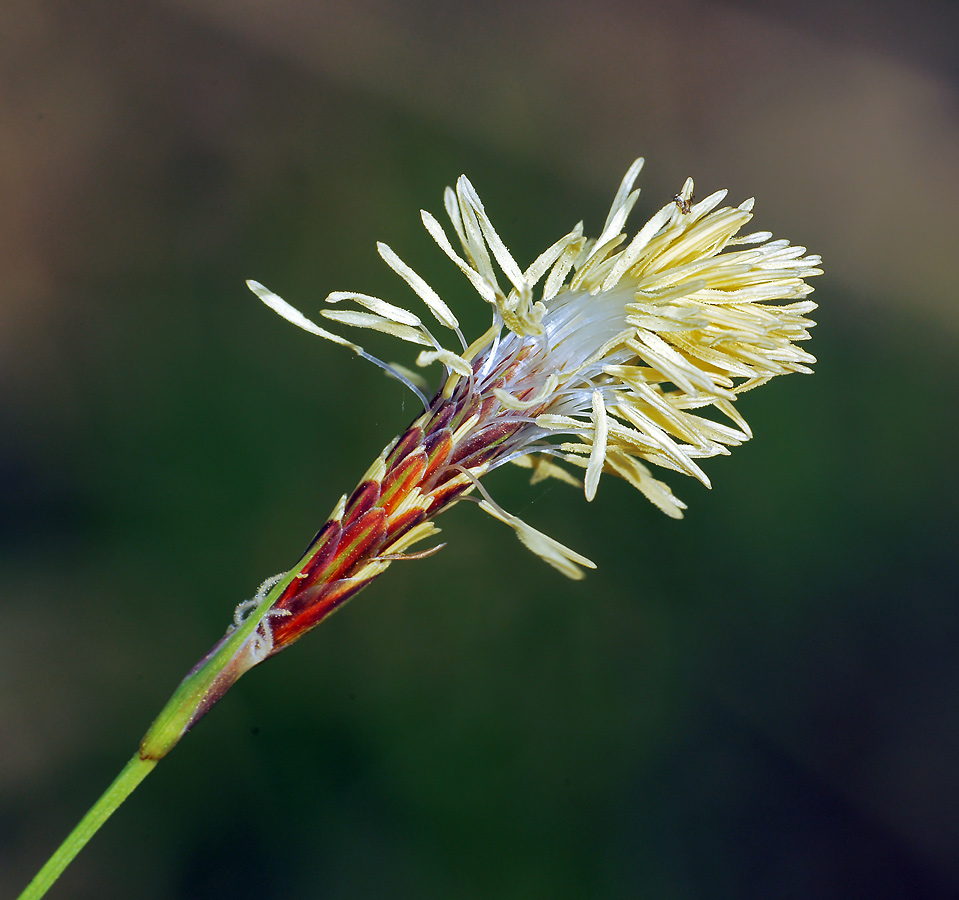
(608, 366)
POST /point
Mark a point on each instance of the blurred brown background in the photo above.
(759, 701)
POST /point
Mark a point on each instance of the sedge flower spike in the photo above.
(604, 356)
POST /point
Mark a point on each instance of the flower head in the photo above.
(605, 355)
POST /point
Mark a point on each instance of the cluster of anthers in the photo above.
(608, 367)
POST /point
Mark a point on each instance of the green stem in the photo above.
(204, 685)
(197, 693)
(133, 773)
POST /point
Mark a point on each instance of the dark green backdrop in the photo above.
(758, 701)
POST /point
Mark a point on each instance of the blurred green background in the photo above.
(759, 701)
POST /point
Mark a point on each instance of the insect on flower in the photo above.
(602, 355)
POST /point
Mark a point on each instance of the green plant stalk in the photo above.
(206, 683)
(133, 773)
